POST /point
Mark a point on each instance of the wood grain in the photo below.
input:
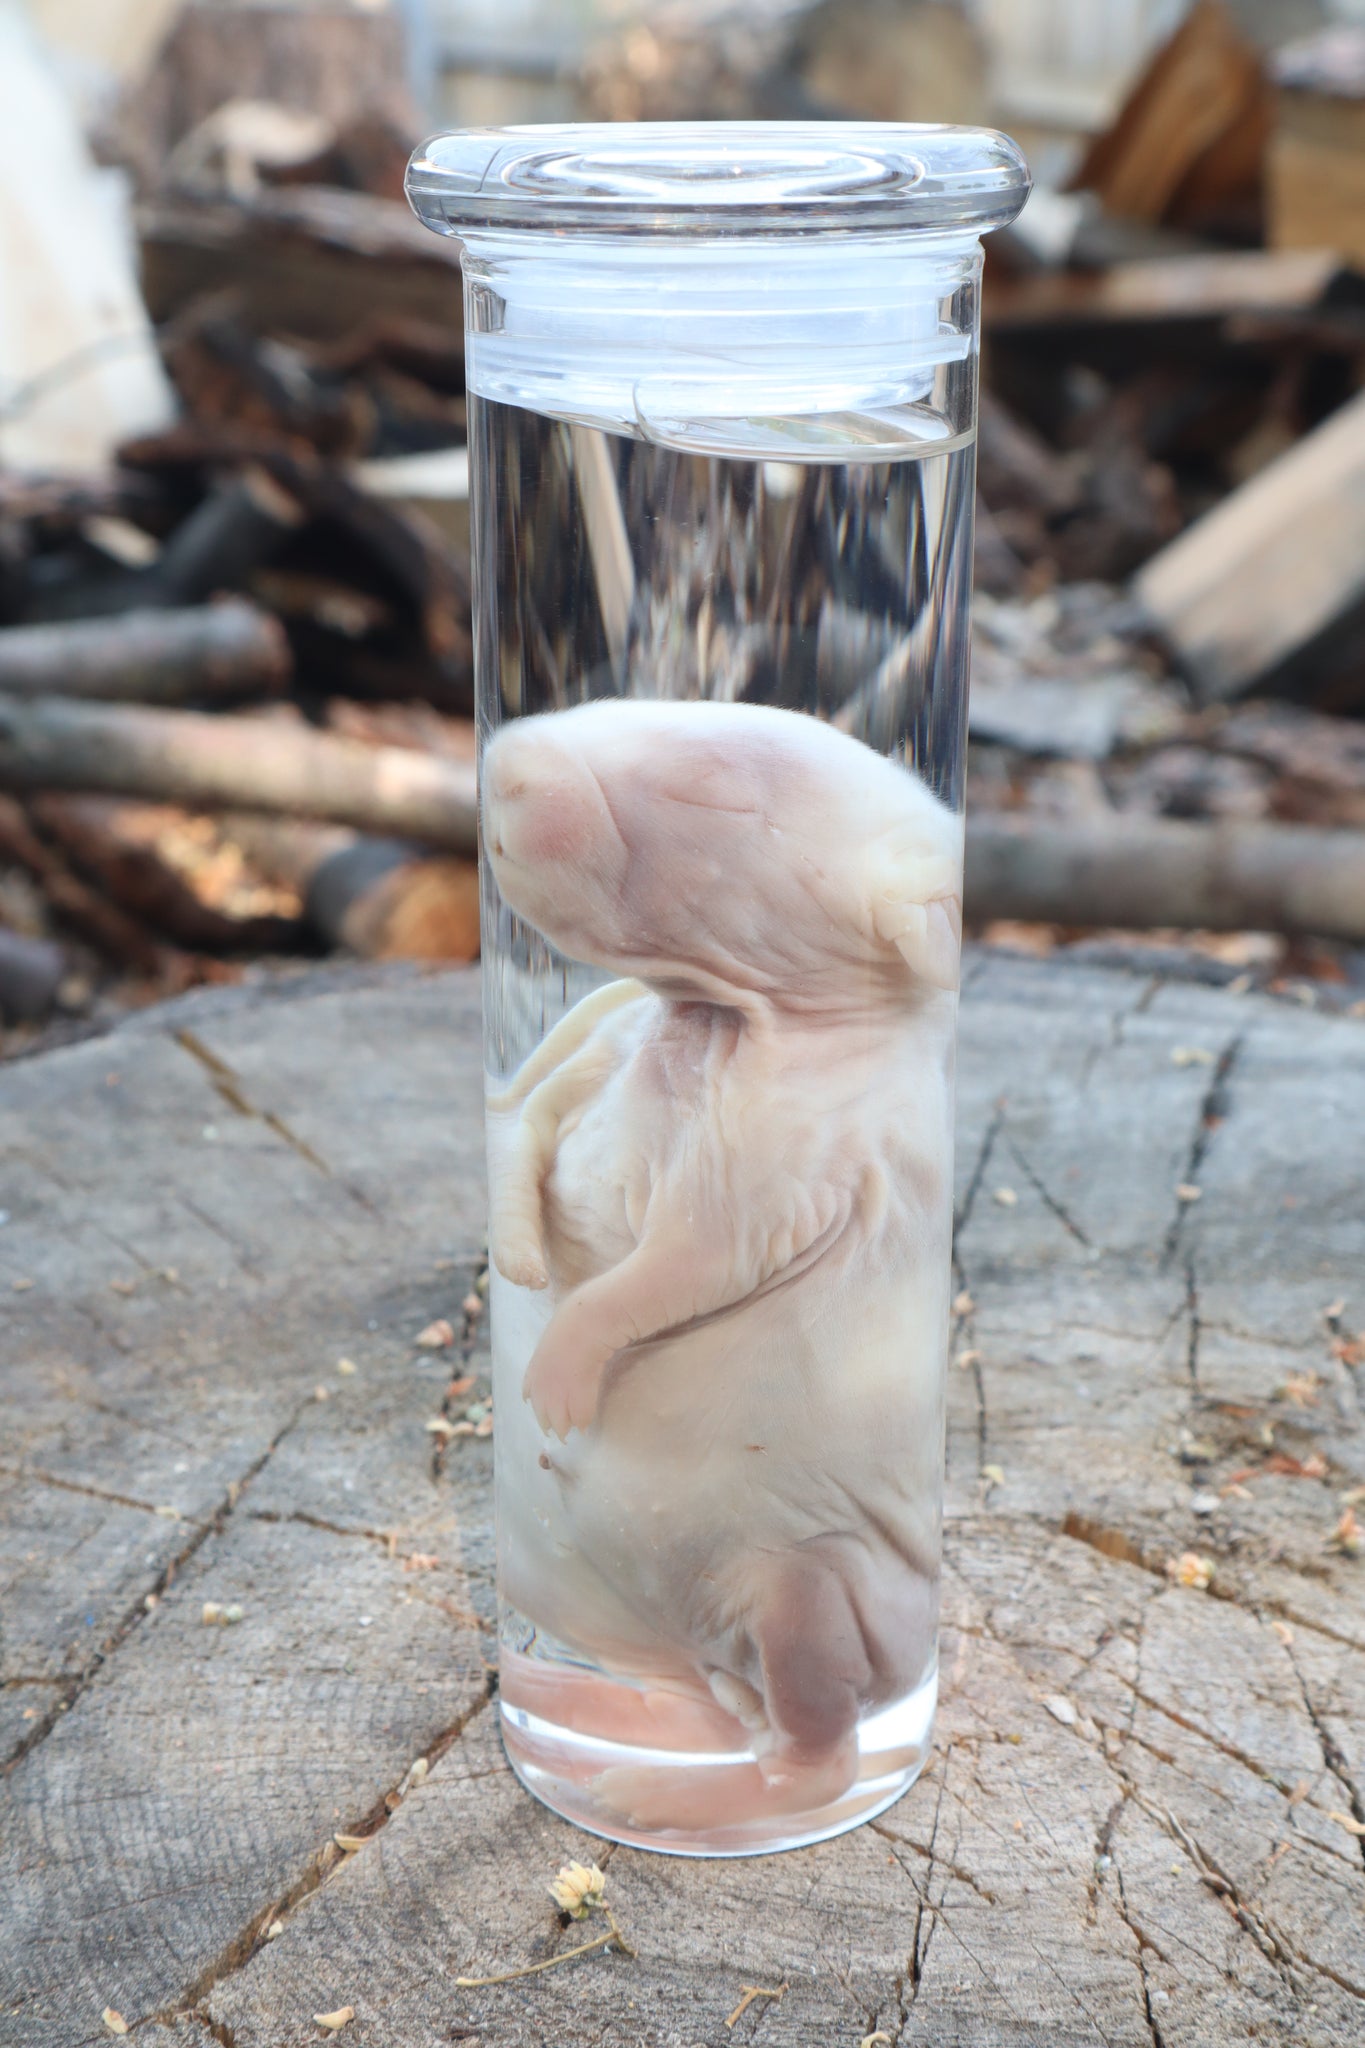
(1130, 1831)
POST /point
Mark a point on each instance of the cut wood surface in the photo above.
(265, 764)
(1275, 571)
(1140, 1824)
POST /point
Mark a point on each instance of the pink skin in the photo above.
(716, 1177)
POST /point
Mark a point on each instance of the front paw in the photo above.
(522, 1265)
(562, 1393)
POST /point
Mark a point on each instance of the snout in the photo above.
(533, 808)
(549, 832)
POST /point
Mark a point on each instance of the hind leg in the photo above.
(832, 1635)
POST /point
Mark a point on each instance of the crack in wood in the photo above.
(1214, 1110)
(118, 1500)
(246, 1943)
(472, 1329)
(1196, 1327)
(1046, 1196)
(1143, 1942)
(1332, 1755)
(1281, 1953)
(978, 1173)
(917, 1848)
(228, 1085)
(146, 1601)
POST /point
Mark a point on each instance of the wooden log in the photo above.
(1183, 298)
(303, 260)
(1315, 173)
(236, 763)
(1151, 872)
(120, 938)
(383, 899)
(332, 61)
(31, 973)
(209, 653)
(233, 1194)
(1186, 145)
(246, 521)
(177, 872)
(1270, 585)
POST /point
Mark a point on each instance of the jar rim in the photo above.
(723, 178)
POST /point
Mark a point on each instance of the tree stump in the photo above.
(229, 1223)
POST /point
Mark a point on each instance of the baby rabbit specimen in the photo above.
(720, 1233)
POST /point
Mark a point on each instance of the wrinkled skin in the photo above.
(720, 1213)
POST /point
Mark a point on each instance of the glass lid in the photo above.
(719, 178)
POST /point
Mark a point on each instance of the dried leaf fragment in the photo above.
(1348, 1537)
(1349, 1822)
(421, 1561)
(1187, 1192)
(335, 2021)
(994, 1475)
(437, 1336)
(22, 1286)
(346, 1367)
(578, 1888)
(1061, 1709)
(1189, 1569)
(963, 1304)
(350, 1843)
(1193, 1056)
(274, 1930)
(1300, 1390)
(167, 1514)
(115, 2021)
(441, 1425)
(1007, 1198)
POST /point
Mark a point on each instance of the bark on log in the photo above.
(208, 652)
(1146, 873)
(384, 899)
(261, 764)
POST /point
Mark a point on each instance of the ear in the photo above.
(918, 910)
(929, 938)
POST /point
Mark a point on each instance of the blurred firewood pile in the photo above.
(235, 662)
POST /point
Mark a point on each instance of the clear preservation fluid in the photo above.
(722, 696)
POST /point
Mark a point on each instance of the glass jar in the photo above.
(722, 412)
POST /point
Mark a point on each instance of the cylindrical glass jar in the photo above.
(722, 413)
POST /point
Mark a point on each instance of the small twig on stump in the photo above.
(614, 1934)
(751, 1992)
